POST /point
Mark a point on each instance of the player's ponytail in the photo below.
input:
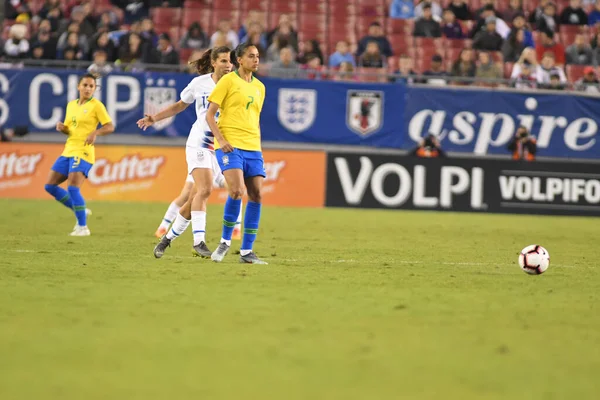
(203, 65)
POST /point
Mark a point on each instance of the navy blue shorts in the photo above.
(66, 165)
(250, 162)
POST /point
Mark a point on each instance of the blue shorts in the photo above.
(250, 162)
(66, 165)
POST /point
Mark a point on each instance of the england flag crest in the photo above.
(157, 99)
(297, 109)
(364, 111)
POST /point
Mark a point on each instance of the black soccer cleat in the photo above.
(160, 248)
(252, 258)
(201, 250)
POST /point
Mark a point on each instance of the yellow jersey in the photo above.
(81, 121)
(240, 103)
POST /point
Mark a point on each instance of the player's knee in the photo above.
(236, 193)
(254, 196)
(204, 192)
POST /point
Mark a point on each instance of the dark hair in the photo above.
(87, 75)
(203, 64)
(240, 51)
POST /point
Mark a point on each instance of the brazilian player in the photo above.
(240, 97)
(81, 125)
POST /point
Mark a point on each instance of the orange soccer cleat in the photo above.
(160, 232)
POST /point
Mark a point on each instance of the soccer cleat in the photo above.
(88, 212)
(160, 248)
(201, 250)
(237, 233)
(219, 254)
(81, 231)
(160, 232)
(252, 258)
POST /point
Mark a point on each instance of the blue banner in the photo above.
(483, 121)
(479, 121)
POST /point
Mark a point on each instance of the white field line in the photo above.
(293, 260)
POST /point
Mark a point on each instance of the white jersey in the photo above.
(198, 90)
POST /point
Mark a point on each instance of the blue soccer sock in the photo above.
(60, 194)
(78, 205)
(230, 215)
(251, 220)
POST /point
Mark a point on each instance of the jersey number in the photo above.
(73, 122)
(250, 102)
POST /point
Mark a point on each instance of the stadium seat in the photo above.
(201, 15)
(274, 19)
(372, 74)
(400, 26)
(184, 55)
(313, 7)
(437, 43)
(262, 5)
(575, 72)
(232, 15)
(230, 5)
(166, 16)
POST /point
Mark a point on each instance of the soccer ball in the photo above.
(534, 259)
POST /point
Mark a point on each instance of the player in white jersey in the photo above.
(201, 161)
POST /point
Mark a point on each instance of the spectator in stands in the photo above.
(425, 26)
(514, 46)
(595, 43)
(536, 15)
(549, 20)
(79, 17)
(464, 66)
(487, 13)
(166, 3)
(122, 36)
(73, 45)
(275, 48)
(194, 38)
(486, 5)
(147, 32)
(101, 42)
(405, 71)
(286, 66)
(548, 68)
(313, 67)
(580, 53)
(451, 28)
(45, 41)
(589, 82)
(225, 29)
(515, 7)
(132, 52)
(254, 28)
(436, 71)
(285, 25)
(165, 52)
(134, 9)
(574, 14)
(308, 49)
(14, 8)
(345, 73)
(436, 9)
(37, 52)
(402, 9)
(547, 44)
(253, 17)
(519, 22)
(487, 69)
(375, 34)
(372, 57)
(48, 6)
(82, 39)
(108, 22)
(429, 147)
(461, 10)
(523, 145)
(100, 67)
(594, 17)
(524, 73)
(342, 54)
(488, 39)
(218, 39)
(17, 46)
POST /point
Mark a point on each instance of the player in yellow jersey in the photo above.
(81, 125)
(239, 96)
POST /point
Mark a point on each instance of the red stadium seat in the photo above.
(184, 55)
(200, 15)
(262, 5)
(372, 74)
(313, 7)
(166, 16)
(404, 26)
(232, 15)
(274, 19)
(230, 5)
(575, 72)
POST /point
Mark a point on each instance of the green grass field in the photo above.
(354, 305)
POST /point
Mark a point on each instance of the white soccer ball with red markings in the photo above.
(534, 259)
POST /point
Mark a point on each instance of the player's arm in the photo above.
(211, 114)
(107, 125)
(62, 126)
(168, 112)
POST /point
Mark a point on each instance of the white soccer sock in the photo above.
(199, 226)
(245, 252)
(170, 215)
(179, 226)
